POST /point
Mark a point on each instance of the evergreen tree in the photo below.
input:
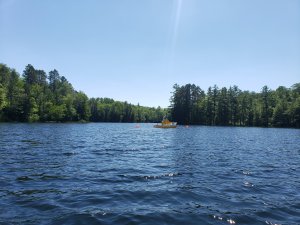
(36, 97)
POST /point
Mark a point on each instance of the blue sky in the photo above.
(136, 50)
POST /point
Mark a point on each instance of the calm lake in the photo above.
(104, 173)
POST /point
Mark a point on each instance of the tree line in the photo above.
(40, 97)
(36, 96)
(234, 107)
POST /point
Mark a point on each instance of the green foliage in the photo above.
(108, 110)
(4, 75)
(185, 103)
(82, 107)
(280, 108)
(38, 97)
(57, 112)
(2, 97)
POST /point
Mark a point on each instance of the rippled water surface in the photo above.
(127, 174)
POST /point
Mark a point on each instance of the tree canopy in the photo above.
(40, 97)
(36, 96)
(234, 107)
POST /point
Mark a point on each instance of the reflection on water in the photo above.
(118, 174)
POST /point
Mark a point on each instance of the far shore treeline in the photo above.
(40, 97)
(234, 107)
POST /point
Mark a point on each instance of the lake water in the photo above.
(99, 173)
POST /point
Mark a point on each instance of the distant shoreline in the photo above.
(40, 97)
(179, 125)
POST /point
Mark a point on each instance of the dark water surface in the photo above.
(120, 174)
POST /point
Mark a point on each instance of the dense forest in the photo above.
(233, 107)
(40, 97)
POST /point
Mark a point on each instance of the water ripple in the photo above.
(117, 174)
